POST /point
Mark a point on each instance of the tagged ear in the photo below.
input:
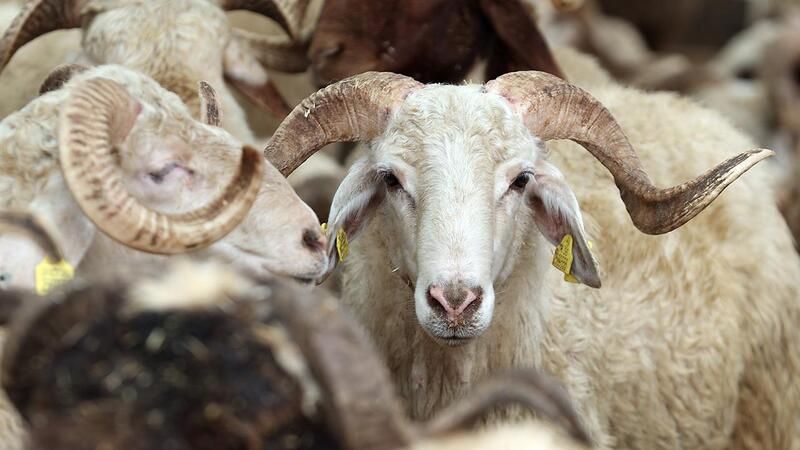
(358, 196)
(521, 36)
(61, 226)
(557, 214)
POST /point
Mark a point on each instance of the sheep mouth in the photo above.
(455, 341)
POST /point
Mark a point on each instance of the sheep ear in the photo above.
(70, 231)
(355, 201)
(519, 32)
(557, 214)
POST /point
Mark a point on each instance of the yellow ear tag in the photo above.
(50, 275)
(562, 259)
(342, 245)
(324, 228)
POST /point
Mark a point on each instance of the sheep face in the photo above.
(458, 202)
(170, 163)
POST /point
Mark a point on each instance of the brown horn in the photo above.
(359, 402)
(209, 108)
(289, 14)
(356, 108)
(59, 76)
(541, 394)
(39, 17)
(555, 109)
(90, 118)
(29, 224)
(273, 52)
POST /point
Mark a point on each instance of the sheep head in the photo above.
(431, 41)
(200, 357)
(460, 175)
(152, 178)
(177, 42)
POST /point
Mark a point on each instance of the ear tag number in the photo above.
(563, 257)
(342, 246)
(50, 274)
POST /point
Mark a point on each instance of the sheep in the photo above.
(446, 265)
(180, 184)
(120, 32)
(428, 40)
(271, 366)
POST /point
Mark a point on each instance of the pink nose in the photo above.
(453, 299)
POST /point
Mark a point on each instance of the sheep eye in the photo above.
(391, 180)
(159, 176)
(521, 181)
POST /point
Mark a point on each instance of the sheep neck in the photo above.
(426, 374)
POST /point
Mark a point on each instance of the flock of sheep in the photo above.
(399, 224)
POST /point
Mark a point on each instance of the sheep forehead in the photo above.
(443, 125)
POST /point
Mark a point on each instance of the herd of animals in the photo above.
(399, 224)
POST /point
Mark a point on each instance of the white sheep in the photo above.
(176, 42)
(202, 181)
(452, 214)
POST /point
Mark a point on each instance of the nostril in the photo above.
(314, 240)
(436, 300)
(454, 301)
(471, 298)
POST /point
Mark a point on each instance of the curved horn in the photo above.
(209, 108)
(359, 402)
(90, 119)
(289, 14)
(59, 76)
(30, 225)
(555, 109)
(38, 17)
(276, 53)
(356, 108)
(541, 394)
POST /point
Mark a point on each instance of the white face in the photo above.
(460, 182)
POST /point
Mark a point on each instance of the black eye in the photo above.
(391, 180)
(521, 181)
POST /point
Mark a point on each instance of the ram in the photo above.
(109, 149)
(452, 214)
(176, 42)
(201, 357)
(436, 40)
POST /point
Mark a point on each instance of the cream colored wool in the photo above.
(692, 342)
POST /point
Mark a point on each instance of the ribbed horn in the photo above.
(354, 109)
(39, 17)
(89, 121)
(540, 394)
(289, 14)
(555, 109)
